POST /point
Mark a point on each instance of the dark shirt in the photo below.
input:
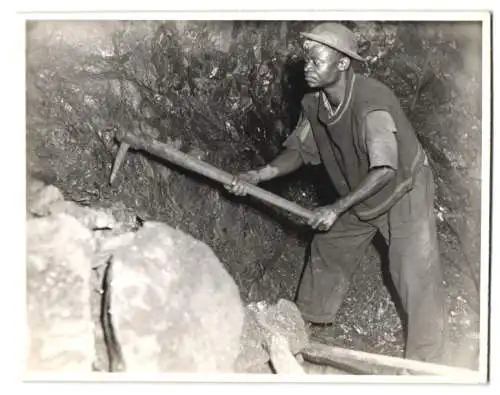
(379, 139)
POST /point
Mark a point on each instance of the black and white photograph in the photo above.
(258, 199)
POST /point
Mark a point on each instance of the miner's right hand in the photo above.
(237, 188)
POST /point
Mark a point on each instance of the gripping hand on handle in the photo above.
(324, 218)
(237, 188)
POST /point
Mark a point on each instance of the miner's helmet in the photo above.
(336, 36)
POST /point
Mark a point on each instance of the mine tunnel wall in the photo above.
(229, 93)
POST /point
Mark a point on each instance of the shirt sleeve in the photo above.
(380, 140)
(302, 140)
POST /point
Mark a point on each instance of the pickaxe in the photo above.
(128, 140)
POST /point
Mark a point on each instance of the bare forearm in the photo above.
(374, 182)
(287, 162)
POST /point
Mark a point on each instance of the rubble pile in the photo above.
(109, 297)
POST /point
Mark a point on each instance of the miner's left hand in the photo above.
(324, 218)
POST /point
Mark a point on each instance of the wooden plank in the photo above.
(337, 356)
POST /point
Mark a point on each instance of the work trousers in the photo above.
(409, 228)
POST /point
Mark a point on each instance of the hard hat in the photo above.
(336, 36)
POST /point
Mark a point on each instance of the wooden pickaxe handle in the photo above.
(317, 352)
(179, 158)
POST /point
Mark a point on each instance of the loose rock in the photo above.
(262, 323)
(59, 258)
(91, 218)
(173, 305)
(41, 197)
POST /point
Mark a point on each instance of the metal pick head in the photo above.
(120, 156)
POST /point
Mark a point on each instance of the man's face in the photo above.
(320, 67)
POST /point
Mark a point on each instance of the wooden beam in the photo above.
(336, 356)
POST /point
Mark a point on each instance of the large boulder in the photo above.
(59, 259)
(174, 308)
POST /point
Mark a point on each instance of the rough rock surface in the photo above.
(174, 307)
(90, 218)
(262, 321)
(41, 197)
(59, 258)
(50, 256)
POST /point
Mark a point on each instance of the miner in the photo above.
(355, 127)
